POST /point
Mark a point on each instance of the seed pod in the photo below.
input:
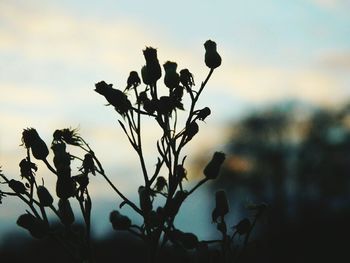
(17, 186)
(212, 57)
(119, 221)
(36, 227)
(211, 171)
(44, 196)
(66, 212)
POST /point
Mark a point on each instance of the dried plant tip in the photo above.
(211, 171)
(119, 221)
(36, 227)
(17, 186)
(66, 212)
(69, 136)
(32, 140)
(44, 196)
(212, 57)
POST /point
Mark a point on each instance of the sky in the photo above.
(53, 52)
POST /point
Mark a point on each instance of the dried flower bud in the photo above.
(212, 57)
(27, 169)
(243, 226)
(152, 71)
(119, 221)
(44, 196)
(115, 97)
(221, 208)
(65, 212)
(133, 80)
(203, 113)
(36, 227)
(171, 78)
(191, 130)
(161, 183)
(181, 172)
(17, 186)
(211, 171)
(145, 199)
(186, 79)
(31, 139)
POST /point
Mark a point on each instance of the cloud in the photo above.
(331, 4)
(261, 83)
(335, 59)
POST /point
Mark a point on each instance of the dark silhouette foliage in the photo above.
(160, 237)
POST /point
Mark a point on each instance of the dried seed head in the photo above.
(32, 140)
(44, 196)
(212, 57)
(212, 169)
(17, 186)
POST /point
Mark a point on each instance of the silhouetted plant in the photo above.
(165, 180)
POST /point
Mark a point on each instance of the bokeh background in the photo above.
(279, 100)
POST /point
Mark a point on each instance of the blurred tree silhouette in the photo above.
(295, 158)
